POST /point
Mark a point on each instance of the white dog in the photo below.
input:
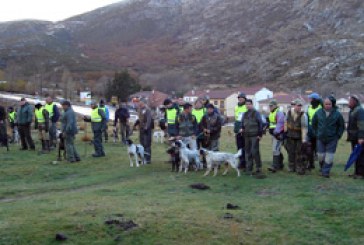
(187, 156)
(158, 136)
(136, 151)
(214, 159)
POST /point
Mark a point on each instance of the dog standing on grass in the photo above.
(214, 159)
(187, 156)
(136, 151)
(158, 136)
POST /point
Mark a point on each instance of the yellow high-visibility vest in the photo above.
(198, 113)
(171, 115)
(311, 112)
(272, 119)
(239, 110)
(12, 116)
(50, 108)
(39, 115)
(95, 116)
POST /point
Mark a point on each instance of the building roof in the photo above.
(284, 98)
(223, 93)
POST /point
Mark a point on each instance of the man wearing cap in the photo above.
(315, 105)
(276, 129)
(328, 126)
(252, 126)
(199, 111)
(24, 120)
(240, 109)
(54, 115)
(98, 124)
(171, 115)
(145, 123)
(12, 120)
(187, 126)
(41, 122)
(296, 129)
(103, 107)
(211, 128)
(356, 132)
(69, 131)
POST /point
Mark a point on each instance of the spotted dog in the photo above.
(187, 156)
(214, 159)
(136, 151)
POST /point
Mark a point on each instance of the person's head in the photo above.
(187, 107)
(205, 100)
(329, 103)
(10, 109)
(210, 108)
(198, 104)
(142, 103)
(353, 101)
(38, 105)
(249, 104)
(241, 98)
(167, 103)
(49, 100)
(273, 105)
(93, 104)
(102, 103)
(313, 97)
(65, 104)
(298, 105)
(23, 101)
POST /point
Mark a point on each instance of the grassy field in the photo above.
(39, 199)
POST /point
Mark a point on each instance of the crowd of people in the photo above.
(306, 135)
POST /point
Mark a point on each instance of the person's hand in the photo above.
(240, 131)
(360, 141)
(259, 138)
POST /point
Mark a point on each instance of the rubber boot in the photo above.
(280, 163)
(275, 165)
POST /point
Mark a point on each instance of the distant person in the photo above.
(12, 122)
(252, 126)
(24, 121)
(199, 111)
(356, 132)
(171, 114)
(41, 123)
(69, 131)
(54, 115)
(103, 106)
(328, 126)
(98, 124)
(211, 127)
(239, 111)
(3, 129)
(187, 126)
(122, 116)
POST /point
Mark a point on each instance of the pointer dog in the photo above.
(214, 159)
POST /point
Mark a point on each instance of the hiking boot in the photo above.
(272, 169)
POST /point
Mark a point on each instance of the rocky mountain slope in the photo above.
(304, 44)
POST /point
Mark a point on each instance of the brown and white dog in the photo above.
(214, 159)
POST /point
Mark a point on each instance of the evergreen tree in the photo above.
(122, 86)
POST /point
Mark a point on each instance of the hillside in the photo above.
(292, 44)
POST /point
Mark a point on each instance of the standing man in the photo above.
(54, 115)
(187, 126)
(240, 109)
(122, 116)
(3, 130)
(276, 129)
(328, 126)
(356, 132)
(24, 120)
(145, 123)
(69, 131)
(98, 122)
(41, 122)
(296, 128)
(252, 127)
(103, 107)
(12, 120)
(315, 105)
(211, 128)
(171, 114)
(199, 111)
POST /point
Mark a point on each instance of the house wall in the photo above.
(262, 94)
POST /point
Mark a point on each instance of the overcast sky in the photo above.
(52, 10)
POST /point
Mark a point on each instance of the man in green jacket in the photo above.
(356, 132)
(328, 126)
(24, 120)
(69, 130)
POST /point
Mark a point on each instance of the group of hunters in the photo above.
(306, 135)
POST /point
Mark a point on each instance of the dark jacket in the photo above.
(145, 121)
(328, 128)
(2, 113)
(187, 125)
(56, 114)
(69, 122)
(98, 126)
(252, 123)
(25, 114)
(356, 124)
(122, 115)
(213, 123)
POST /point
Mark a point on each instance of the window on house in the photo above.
(222, 104)
(216, 102)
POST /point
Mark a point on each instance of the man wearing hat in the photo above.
(240, 109)
(211, 128)
(98, 124)
(54, 115)
(276, 129)
(356, 132)
(328, 126)
(171, 115)
(296, 129)
(103, 107)
(146, 125)
(69, 131)
(315, 105)
(187, 126)
(24, 120)
(41, 122)
(199, 111)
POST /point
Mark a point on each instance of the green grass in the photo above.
(39, 199)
